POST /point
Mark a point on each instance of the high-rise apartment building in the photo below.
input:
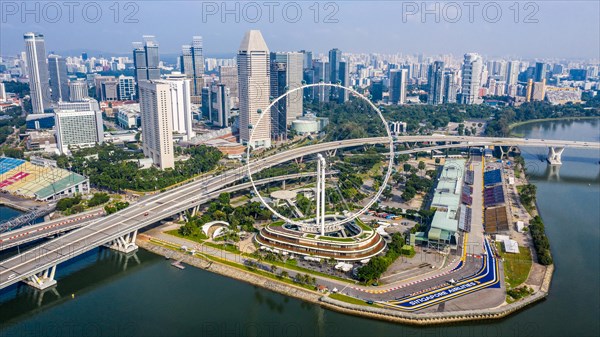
(398, 79)
(254, 90)
(59, 82)
(157, 130)
(436, 83)
(471, 77)
(192, 65)
(78, 129)
(286, 74)
(35, 50)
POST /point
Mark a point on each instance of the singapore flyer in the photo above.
(253, 166)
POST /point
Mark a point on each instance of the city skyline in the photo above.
(355, 32)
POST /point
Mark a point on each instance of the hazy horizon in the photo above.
(564, 30)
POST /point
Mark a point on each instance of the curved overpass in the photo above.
(39, 263)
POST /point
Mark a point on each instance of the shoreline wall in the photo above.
(353, 309)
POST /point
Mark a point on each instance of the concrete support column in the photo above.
(42, 280)
(318, 194)
(554, 155)
(125, 243)
(321, 166)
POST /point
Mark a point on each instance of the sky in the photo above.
(528, 30)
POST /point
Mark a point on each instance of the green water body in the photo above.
(144, 296)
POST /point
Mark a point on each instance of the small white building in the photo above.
(520, 226)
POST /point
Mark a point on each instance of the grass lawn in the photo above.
(347, 299)
(239, 266)
(308, 271)
(195, 238)
(516, 266)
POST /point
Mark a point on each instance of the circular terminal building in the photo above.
(351, 241)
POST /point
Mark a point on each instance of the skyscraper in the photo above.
(192, 64)
(471, 76)
(321, 74)
(146, 59)
(38, 72)
(376, 90)
(344, 75)
(59, 82)
(398, 79)
(78, 90)
(216, 104)
(155, 113)
(229, 77)
(181, 106)
(336, 76)
(512, 76)
(254, 90)
(3, 96)
(308, 58)
(436, 83)
(126, 88)
(335, 57)
(286, 74)
(450, 87)
(540, 71)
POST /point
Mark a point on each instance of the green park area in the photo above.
(347, 299)
(516, 266)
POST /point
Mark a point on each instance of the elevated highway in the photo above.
(45, 229)
(119, 230)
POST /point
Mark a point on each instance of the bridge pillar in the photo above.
(505, 153)
(554, 155)
(124, 244)
(42, 280)
(553, 172)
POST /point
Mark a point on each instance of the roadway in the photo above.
(45, 229)
(48, 228)
(185, 197)
(152, 210)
